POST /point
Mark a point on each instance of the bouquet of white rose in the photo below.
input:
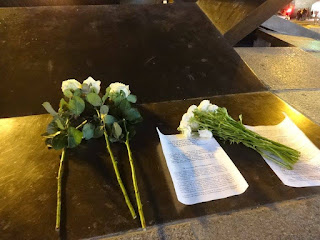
(208, 120)
(83, 114)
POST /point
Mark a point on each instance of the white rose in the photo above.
(191, 108)
(93, 84)
(205, 133)
(212, 108)
(203, 106)
(117, 87)
(70, 84)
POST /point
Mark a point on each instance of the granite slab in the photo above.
(283, 68)
(305, 43)
(34, 3)
(93, 204)
(165, 52)
(305, 101)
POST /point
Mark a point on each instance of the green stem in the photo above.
(135, 184)
(60, 175)
(116, 170)
(226, 128)
(83, 123)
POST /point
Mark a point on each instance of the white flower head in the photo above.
(186, 121)
(186, 131)
(205, 133)
(117, 87)
(70, 84)
(212, 108)
(191, 109)
(186, 118)
(203, 106)
(93, 84)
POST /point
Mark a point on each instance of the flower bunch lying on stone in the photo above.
(85, 113)
(208, 120)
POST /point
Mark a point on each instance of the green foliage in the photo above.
(109, 119)
(98, 132)
(131, 130)
(76, 105)
(63, 105)
(116, 130)
(116, 98)
(52, 127)
(132, 98)
(104, 109)
(124, 105)
(60, 141)
(108, 89)
(113, 113)
(59, 123)
(77, 92)
(121, 115)
(133, 115)
(104, 98)
(88, 131)
(74, 137)
(49, 108)
(59, 133)
(94, 99)
(68, 93)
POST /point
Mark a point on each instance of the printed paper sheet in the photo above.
(200, 169)
(306, 172)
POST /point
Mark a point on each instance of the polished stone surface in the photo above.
(236, 19)
(93, 202)
(283, 68)
(227, 14)
(165, 52)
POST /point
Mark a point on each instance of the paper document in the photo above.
(306, 172)
(200, 169)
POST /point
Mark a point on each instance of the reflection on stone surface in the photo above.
(94, 204)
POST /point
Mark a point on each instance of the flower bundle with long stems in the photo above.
(64, 131)
(116, 169)
(83, 114)
(118, 124)
(210, 120)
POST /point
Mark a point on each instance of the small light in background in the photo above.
(164, 1)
